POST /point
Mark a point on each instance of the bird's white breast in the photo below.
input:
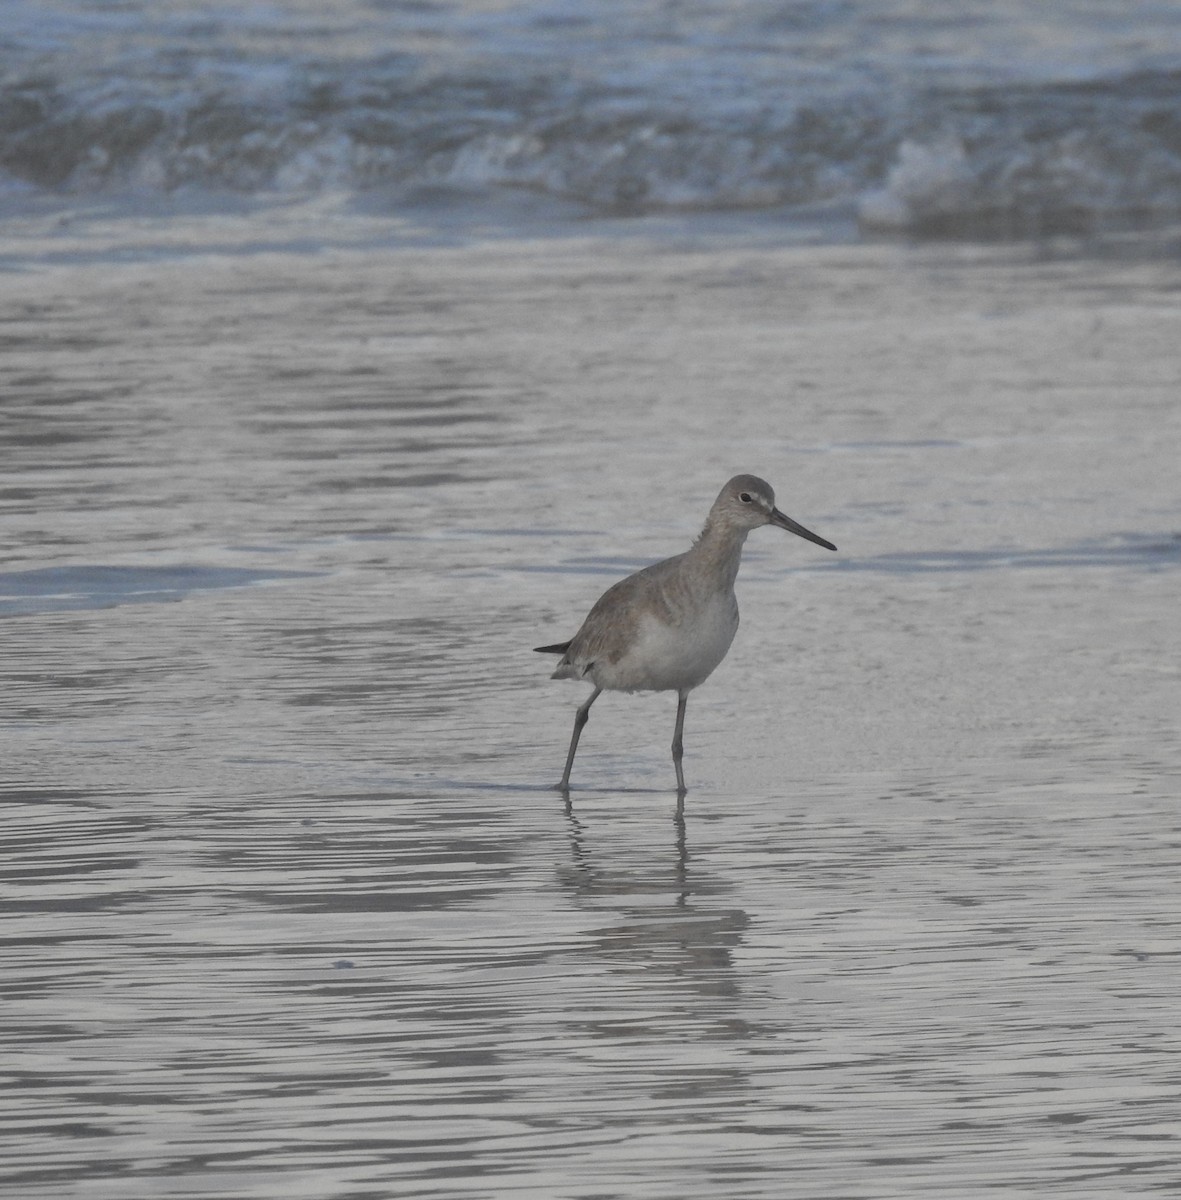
(673, 657)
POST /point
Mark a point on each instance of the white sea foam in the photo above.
(931, 118)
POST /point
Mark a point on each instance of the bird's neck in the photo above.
(719, 549)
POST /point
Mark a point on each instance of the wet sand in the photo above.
(289, 901)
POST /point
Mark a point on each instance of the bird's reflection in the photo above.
(595, 877)
(681, 868)
(661, 904)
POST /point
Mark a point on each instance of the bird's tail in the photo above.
(560, 648)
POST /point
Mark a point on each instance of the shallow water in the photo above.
(289, 905)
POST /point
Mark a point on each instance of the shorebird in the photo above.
(665, 628)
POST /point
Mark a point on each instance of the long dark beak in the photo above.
(785, 522)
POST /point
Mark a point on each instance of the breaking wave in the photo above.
(935, 160)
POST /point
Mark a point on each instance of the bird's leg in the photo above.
(580, 719)
(678, 741)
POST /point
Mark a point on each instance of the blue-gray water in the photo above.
(938, 117)
(289, 908)
(348, 351)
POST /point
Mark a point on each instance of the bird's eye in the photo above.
(745, 497)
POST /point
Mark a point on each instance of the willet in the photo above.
(665, 628)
